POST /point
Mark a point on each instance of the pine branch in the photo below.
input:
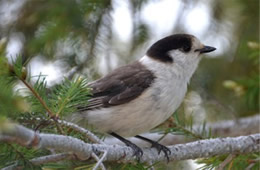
(17, 70)
(39, 98)
(63, 99)
(83, 151)
(67, 96)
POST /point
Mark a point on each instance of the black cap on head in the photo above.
(160, 49)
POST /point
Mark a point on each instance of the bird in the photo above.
(139, 96)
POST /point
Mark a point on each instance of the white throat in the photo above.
(180, 69)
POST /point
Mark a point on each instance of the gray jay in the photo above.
(139, 96)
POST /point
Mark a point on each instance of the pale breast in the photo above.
(152, 108)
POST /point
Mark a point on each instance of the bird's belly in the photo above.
(152, 108)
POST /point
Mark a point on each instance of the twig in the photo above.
(196, 136)
(252, 163)
(52, 158)
(39, 98)
(100, 162)
(51, 115)
(88, 134)
(81, 130)
(226, 161)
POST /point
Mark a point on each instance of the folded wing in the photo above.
(121, 86)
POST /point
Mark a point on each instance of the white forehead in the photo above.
(196, 44)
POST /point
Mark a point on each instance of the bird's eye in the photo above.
(185, 48)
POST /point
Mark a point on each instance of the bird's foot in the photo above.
(162, 148)
(136, 150)
(157, 146)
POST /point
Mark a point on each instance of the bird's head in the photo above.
(178, 48)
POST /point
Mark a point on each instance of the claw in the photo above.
(157, 146)
(163, 148)
(136, 150)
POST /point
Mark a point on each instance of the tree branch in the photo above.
(199, 149)
(50, 113)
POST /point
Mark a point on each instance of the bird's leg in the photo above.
(137, 151)
(158, 146)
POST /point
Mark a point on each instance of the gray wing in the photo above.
(122, 85)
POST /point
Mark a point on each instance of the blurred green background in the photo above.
(91, 37)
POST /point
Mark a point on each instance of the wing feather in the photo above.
(122, 85)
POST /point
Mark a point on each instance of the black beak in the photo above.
(206, 49)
